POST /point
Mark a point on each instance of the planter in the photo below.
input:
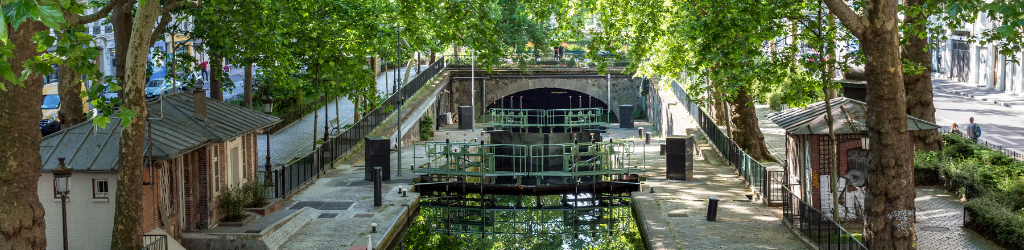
(272, 206)
(247, 219)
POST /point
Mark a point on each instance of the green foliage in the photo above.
(232, 203)
(426, 128)
(993, 182)
(257, 194)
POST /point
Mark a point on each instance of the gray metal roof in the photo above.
(850, 118)
(90, 148)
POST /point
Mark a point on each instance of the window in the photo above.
(216, 170)
(100, 189)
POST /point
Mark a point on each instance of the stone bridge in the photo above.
(490, 87)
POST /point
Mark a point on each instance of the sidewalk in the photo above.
(296, 140)
(939, 216)
(675, 214)
(940, 83)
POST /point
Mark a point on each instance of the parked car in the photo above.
(157, 87)
(51, 107)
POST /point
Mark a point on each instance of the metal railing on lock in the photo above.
(471, 161)
(515, 118)
(298, 171)
(576, 117)
(154, 242)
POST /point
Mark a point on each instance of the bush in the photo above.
(991, 181)
(775, 101)
(257, 193)
(426, 128)
(988, 216)
(232, 204)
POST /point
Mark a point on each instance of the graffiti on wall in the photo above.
(852, 187)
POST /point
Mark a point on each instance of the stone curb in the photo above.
(1003, 104)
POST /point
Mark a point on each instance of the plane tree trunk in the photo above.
(216, 71)
(889, 201)
(918, 87)
(745, 130)
(21, 214)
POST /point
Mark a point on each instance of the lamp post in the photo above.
(400, 100)
(60, 185)
(268, 107)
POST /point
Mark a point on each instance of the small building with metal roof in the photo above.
(808, 161)
(196, 149)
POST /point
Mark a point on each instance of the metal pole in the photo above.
(268, 166)
(64, 216)
(401, 100)
(472, 81)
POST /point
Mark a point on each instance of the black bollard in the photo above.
(377, 196)
(641, 132)
(648, 139)
(713, 208)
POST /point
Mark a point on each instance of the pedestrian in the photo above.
(956, 130)
(206, 74)
(973, 130)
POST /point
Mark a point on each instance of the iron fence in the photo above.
(1008, 152)
(535, 61)
(818, 228)
(301, 170)
(154, 242)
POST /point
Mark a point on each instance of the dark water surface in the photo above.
(524, 222)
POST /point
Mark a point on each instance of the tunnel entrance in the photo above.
(548, 99)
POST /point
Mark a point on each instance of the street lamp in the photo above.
(60, 185)
(268, 107)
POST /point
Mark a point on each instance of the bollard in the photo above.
(648, 139)
(713, 208)
(377, 187)
(641, 132)
(373, 227)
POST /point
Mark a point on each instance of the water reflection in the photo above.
(475, 221)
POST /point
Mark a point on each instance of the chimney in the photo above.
(199, 100)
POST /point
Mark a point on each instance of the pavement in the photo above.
(296, 140)
(939, 223)
(675, 214)
(939, 216)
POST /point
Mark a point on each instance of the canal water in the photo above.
(472, 221)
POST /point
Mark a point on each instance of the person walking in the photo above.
(206, 74)
(956, 130)
(973, 130)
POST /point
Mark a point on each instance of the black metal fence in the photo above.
(818, 228)
(294, 174)
(981, 141)
(154, 242)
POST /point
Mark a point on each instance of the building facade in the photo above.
(978, 64)
(194, 156)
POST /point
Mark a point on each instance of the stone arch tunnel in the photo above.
(492, 87)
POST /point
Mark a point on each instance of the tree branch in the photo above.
(128, 6)
(101, 13)
(158, 32)
(850, 19)
(171, 6)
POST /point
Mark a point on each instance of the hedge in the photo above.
(992, 182)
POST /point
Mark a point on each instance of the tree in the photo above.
(918, 82)
(890, 196)
(21, 213)
(69, 86)
(135, 31)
